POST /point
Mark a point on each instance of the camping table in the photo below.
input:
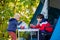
(28, 30)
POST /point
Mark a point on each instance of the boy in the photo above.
(13, 22)
(42, 25)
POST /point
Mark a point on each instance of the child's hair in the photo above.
(17, 15)
(40, 16)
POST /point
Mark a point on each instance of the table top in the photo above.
(28, 30)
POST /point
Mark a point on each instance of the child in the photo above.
(42, 25)
(13, 22)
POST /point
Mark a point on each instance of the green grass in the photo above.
(3, 38)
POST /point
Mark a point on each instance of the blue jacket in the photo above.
(12, 25)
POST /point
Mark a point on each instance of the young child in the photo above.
(42, 25)
(12, 26)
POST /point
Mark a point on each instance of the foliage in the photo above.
(8, 8)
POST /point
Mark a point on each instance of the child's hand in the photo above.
(32, 26)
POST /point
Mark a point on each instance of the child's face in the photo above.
(18, 18)
(39, 20)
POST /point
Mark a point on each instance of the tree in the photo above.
(8, 8)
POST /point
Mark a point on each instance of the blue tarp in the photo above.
(56, 33)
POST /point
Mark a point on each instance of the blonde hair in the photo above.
(17, 15)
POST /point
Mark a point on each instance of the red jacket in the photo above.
(43, 26)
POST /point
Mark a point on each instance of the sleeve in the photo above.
(37, 26)
(42, 27)
(16, 24)
(32, 26)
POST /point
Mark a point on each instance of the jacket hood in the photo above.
(12, 19)
(43, 20)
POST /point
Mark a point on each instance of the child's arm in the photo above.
(32, 26)
(41, 27)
